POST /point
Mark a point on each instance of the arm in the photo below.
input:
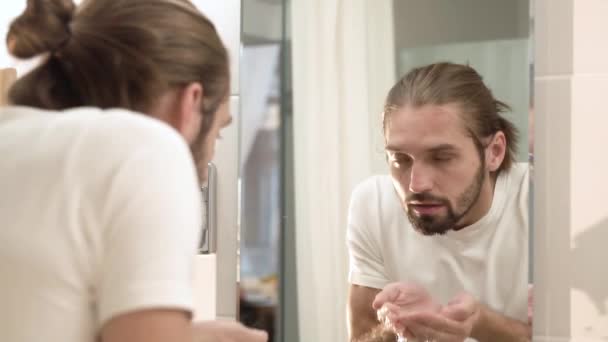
(175, 326)
(463, 317)
(148, 206)
(149, 326)
(363, 322)
(491, 326)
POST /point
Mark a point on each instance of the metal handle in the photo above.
(208, 244)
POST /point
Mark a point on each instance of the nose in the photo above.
(420, 179)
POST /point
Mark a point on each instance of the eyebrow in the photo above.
(391, 148)
(443, 148)
(434, 149)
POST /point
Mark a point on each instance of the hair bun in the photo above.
(42, 27)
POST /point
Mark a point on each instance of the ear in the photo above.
(495, 152)
(187, 116)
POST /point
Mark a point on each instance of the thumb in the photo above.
(460, 308)
(388, 294)
(254, 335)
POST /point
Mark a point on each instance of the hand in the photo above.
(453, 323)
(402, 298)
(227, 331)
(407, 296)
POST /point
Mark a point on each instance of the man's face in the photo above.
(435, 165)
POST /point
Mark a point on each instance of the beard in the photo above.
(199, 156)
(198, 147)
(438, 225)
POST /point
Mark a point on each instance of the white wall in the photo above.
(433, 22)
(264, 20)
(571, 229)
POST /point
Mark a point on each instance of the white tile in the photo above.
(226, 16)
(591, 36)
(589, 213)
(205, 287)
(552, 206)
(553, 37)
(571, 218)
(589, 164)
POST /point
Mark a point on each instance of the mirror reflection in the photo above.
(438, 247)
(260, 165)
(437, 222)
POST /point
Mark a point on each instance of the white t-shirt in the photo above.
(488, 259)
(99, 216)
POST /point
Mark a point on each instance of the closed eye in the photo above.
(442, 158)
(400, 159)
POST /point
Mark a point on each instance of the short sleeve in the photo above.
(365, 257)
(151, 221)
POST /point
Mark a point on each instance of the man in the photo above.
(449, 225)
(100, 210)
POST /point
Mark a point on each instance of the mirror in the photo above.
(261, 165)
(377, 44)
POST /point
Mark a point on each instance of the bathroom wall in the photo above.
(571, 228)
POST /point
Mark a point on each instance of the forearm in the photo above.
(377, 334)
(495, 327)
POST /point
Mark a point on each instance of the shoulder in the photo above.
(112, 152)
(85, 139)
(376, 197)
(518, 178)
(520, 170)
(517, 193)
(119, 130)
(111, 139)
(374, 186)
(91, 130)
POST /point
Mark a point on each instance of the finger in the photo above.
(391, 308)
(252, 335)
(386, 310)
(463, 299)
(387, 316)
(435, 322)
(421, 332)
(456, 313)
(388, 294)
(407, 333)
(460, 308)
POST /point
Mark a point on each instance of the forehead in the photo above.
(415, 129)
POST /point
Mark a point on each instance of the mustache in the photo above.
(426, 198)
